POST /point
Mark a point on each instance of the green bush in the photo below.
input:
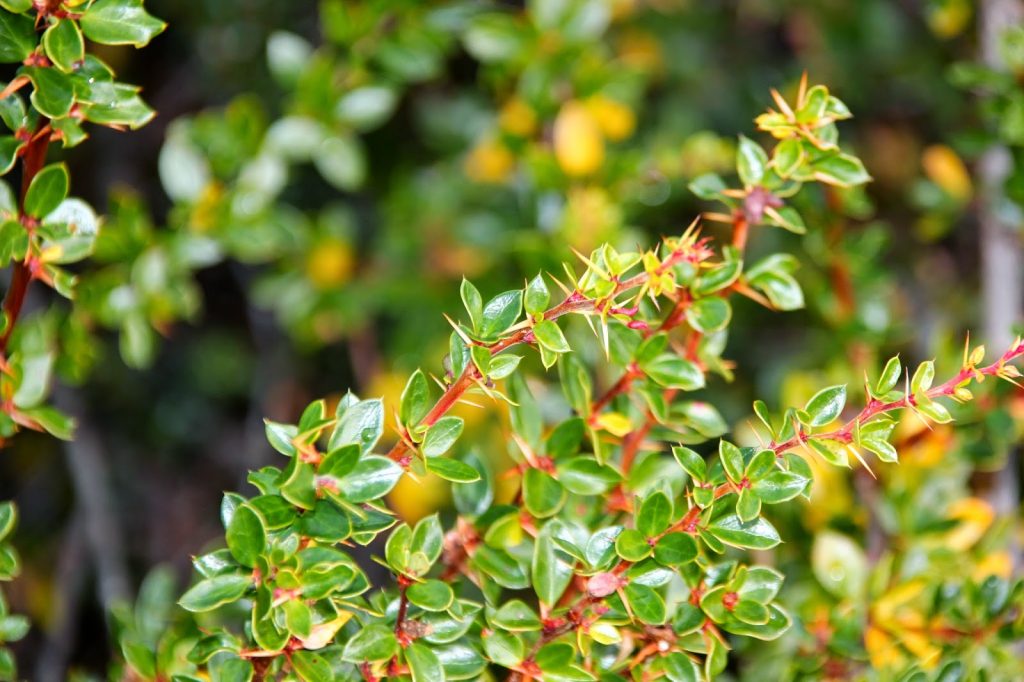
(611, 515)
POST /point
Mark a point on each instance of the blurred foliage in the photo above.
(362, 157)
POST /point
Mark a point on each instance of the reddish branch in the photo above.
(844, 434)
(33, 155)
(575, 302)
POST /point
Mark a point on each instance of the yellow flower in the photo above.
(946, 169)
(975, 516)
(579, 146)
(517, 118)
(329, 263)
(616, 120)
(489, 162)
(414, 498)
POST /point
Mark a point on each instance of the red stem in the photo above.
(875, 407)
(33, 157)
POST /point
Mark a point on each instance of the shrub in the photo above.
(609, 556)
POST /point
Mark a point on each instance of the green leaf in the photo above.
(64, 45)
(779, 486)
(882, 448)
(516, 616)
(297, 617)
(537, 296)
(826, 405)
(708, 315)
(504, 649)
(632, 545)
(543, 495)
(890, 375)
(787, 156)
(583, 475)
(550, 336)
(550, 570)
(708, 186)
(501, 567)
(431, 595)
(500, 313)
(208, 594)
(778, 623)
(645, 603)
(732, 460)
(677, 667)
(718, 278)
(48, 188)
(831, 451)
(415, 402)
(361, 423)
(460, 662)
(246, 536)
(452, 470)
(473, 302)
(17, 37)
(787, 218)
(120, 22)
(748, 505)
(675, 549)
(53, 92)
(840, 565)
(755, 534)
(923, 377)
(373, 642)
(841, 170)
(372, 478)
(654, 515)
(424, 665)
(396, 550)
(671, 371)
(9, 146)
(428, 538)
(8, 519)
(692, 463)
(311, 666)
(442, 436)
(751, 162)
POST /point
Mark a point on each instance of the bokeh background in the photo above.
(321, 175)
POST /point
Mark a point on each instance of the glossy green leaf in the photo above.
(17, 37)
(500, 313)
(442, 436)
(709, 315)
(537, 296)
(246, 535)
(48, 188)
(431, 595)
(373, 642)
(632, 545)
(208, 594)
(671, 371)
(755, 534)
(551, 569)
(645, 603)
(452, 470)
(675, 549)
(826, 405)
(120, 22)
(64, 44)
(654, 514)
(751, 161)
(312, 666)
(543, 495)
(372, 478)
(424, 666)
